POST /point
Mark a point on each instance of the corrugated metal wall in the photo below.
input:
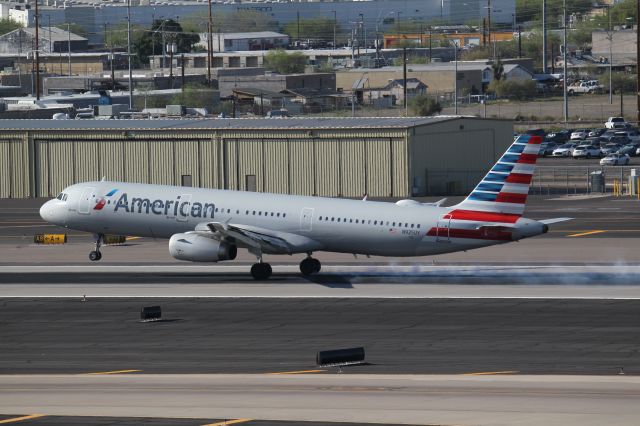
(348, 162)
(13, 161)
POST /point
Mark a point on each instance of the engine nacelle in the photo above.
(197, 248)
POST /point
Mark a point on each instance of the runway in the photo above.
(259, 335)
(434, 400)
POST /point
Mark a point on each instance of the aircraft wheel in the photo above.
(261, 271)
(316, 266)
(94, 256)
(308, 266)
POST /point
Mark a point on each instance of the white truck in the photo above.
(584, 87)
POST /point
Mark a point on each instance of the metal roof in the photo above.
(228, 123)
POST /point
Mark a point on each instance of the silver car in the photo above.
(586, 151)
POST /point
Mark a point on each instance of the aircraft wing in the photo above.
(259, 240)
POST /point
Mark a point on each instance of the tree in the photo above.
(315, 29)
(498, 70)
(229, 22)
(8, 25)
(151, 40)
(513, 89)
(285, 63)
(425, 105)
(195, 96)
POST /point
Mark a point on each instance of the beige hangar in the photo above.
(348, 157)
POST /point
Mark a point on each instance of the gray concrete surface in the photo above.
(260, 335)
(441, 400)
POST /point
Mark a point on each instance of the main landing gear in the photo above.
(310, 266)
(95, 255)
(261, 271)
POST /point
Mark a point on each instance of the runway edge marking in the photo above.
(229, 422)
(19, 419)
(99, 373)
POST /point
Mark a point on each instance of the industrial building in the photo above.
(348, 157)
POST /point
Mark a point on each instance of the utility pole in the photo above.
(564, 62)
(50, 42)
(69, 48)
(37, 52)
(430, 57)
(637, 57)
(113, 74)
(544, 36)
(182, 72)
(171, 48)
(610, 38)
(298, 31)
(129, 54)
(489, 20)
(484, 31)
(404, 76)
(455, 78)
(335, 24)
(209, 44)
(519, 41)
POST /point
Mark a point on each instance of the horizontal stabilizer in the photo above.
(437, 203)
(555, 220)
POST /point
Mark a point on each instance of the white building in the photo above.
(229, 42)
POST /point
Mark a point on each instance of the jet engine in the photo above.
(198, 248)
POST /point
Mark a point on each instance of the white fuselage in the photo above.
(308, 223)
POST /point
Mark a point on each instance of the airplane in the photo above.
(208, 225)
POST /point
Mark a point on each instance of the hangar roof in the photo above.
(230, 123)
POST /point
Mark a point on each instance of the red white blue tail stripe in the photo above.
(504, 189)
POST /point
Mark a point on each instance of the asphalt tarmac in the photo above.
(260, 335)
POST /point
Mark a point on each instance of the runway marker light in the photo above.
(340, 357)
(50, 238)
(150, 313)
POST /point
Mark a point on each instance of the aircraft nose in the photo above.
(46, 211)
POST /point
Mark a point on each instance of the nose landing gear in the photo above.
(95, 255)
(310, 266)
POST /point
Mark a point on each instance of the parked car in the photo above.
(615, 159)
(629, 149)
(610, 148)
(565, 150)
(560, 136)
(586, 151)
(547, 148)
(580, 134)
(632, 134)
(536, 132)
(593, 133)
(616, 123)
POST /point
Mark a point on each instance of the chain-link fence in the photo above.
(574, 180)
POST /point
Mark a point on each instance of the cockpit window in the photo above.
(62, 197)
(59, 197)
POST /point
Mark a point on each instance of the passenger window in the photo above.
(333, 219)
(271, 214)
(228, 210)
(406, 225)
(259, 213)
(356, 220)
(278, 214)
(338, 219)
(254, 212)
(375, 222)
(216, 210)
(418, 226)
(284, 215)
(350, 220)
(412, 225)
